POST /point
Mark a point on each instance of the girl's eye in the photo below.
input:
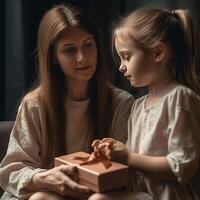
(126, 57)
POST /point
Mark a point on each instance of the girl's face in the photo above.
(137, 65)
(76, 53)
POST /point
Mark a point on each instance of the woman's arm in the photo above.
(21, 173)
(23, 159)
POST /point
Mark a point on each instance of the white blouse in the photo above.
(170, 128)
(27, 146)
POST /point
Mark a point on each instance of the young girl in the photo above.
(159, 49)
(72, 105)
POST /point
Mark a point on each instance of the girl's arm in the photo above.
(158, 166)
(155, 165)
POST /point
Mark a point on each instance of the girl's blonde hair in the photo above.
(52, 84)
(148, 26)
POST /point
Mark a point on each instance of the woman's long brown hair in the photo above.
(52, 85)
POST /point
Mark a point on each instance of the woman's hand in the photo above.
(62, 180)
(112, 149)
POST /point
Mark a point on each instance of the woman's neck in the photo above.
(78, 91)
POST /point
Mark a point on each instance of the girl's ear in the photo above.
(159, 51)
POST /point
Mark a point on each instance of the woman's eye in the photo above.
(88, 45)
(70, 50)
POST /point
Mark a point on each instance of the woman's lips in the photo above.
(83, 68)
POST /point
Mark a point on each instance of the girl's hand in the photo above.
(62, 180)
(118, 152)
(113, 150)
(104, 144)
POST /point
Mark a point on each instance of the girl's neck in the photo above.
(158, 89)
(161, 86)
(78, 91)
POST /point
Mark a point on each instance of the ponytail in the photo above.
(189, 76)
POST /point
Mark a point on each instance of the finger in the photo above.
(108, 154)
(95, 149)
(96, 153)
(74, 186)
(104, 146)
(70, 170)
(95, 143)
(110, 140)
(118, 146)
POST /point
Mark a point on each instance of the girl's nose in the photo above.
(122, 69)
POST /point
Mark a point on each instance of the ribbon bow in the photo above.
(97, 155)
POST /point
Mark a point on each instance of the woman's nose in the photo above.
(81, 57)
(122, 69)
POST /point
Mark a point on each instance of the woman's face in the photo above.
(137, 65)
(76, 53)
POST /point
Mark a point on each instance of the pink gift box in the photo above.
(98, 176)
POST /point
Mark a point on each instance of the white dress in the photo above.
(170, 128)
(27, 146)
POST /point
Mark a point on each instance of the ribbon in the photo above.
(93, 159)
(96, 155)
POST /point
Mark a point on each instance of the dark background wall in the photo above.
(19, 22)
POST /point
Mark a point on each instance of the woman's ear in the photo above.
(159, 51)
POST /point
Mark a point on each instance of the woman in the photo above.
(72, 105)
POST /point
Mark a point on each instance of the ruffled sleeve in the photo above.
(184, 138)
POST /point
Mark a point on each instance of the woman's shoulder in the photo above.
(121, 95)
(32, 99)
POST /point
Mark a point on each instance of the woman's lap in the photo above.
(95, 196)
(55, 196)
(120, 195)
